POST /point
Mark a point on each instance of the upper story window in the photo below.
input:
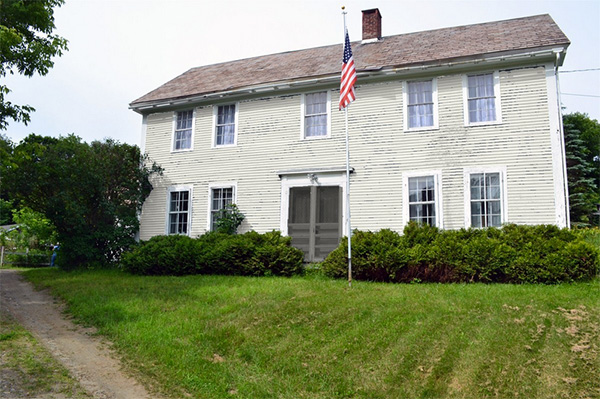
(482, 96)
(182, 136)
(225, 125)
(315, 114)
(485, 205)
(179, 212)
(420, 105)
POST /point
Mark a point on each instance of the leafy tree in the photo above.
(27, 46)
(35, 230)
(582, 150)
(92, 193)
(6, 209)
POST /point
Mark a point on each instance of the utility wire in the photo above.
(581, 70)
(580, 95)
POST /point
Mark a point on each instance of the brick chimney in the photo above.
(371, 25)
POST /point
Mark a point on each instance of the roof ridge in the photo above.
(413, 48)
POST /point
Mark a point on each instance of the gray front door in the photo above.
(315, 220)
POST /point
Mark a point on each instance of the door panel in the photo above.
(314, 221)
(328, 221)
(299, 219)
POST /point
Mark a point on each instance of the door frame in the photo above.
(308, 179)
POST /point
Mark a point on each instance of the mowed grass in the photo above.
(311, 337)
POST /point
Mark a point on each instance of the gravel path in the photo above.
(85, 356)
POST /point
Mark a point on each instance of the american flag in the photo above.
(348, 76)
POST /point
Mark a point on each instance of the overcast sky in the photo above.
(120, 50)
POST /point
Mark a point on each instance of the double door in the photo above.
(315, 220)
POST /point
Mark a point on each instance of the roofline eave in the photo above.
(507, 58)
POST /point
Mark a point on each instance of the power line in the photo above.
(580, 95)
(581, 70)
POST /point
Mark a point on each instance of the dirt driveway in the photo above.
(86, 357)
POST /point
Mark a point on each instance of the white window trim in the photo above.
(467, 191)
(434, 95)
(214, 127)
(437, 178)
(498, 102)
(211, 186)
(168, 207)
(302, 115)
(322, 179)
(175, 128)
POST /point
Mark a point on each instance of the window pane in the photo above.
(225, 130)
(315, 114)
(493, 207)
(421, 199)
(220, 198)
(481, 100)
(179, 212)
(420, 104)
(486, 205)
(183, 130)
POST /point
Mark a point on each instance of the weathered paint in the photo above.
(380, 152)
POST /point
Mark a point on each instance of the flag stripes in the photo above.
(348, 76)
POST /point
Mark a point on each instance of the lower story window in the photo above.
(179, 207)
(421, 200)
(220, 198)
(486, 199)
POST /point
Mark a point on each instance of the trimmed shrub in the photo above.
(275, 256)
(163, 255)
(512, 254)
(250, 254)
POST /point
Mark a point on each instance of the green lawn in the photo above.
(240, 337)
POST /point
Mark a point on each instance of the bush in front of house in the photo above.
(249, 254)
(163, 255)
(511, 254)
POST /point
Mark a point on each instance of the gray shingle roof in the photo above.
(420, 48)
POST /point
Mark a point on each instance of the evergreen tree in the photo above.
(582, 150)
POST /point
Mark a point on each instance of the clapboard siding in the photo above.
(269, 141)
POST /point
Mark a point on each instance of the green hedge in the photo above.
(32, 259)
(249, 254)
(511, 254)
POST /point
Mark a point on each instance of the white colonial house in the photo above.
(455, 127)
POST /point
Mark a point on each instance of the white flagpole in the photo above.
(349, 223)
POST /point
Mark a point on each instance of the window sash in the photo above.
(420, 104)
(481, 98)
(486, 200)
(183, 130)
(220, 198)
(315, 114)
(179, 212)
(225, 125)
(422, 200)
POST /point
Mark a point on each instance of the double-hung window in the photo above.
(225, 125)
(315, 114)
(420, 109)
(220, 197)
(179, 212)
(486, 199)
(482, 99)
(422, 197)
(182, 136)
